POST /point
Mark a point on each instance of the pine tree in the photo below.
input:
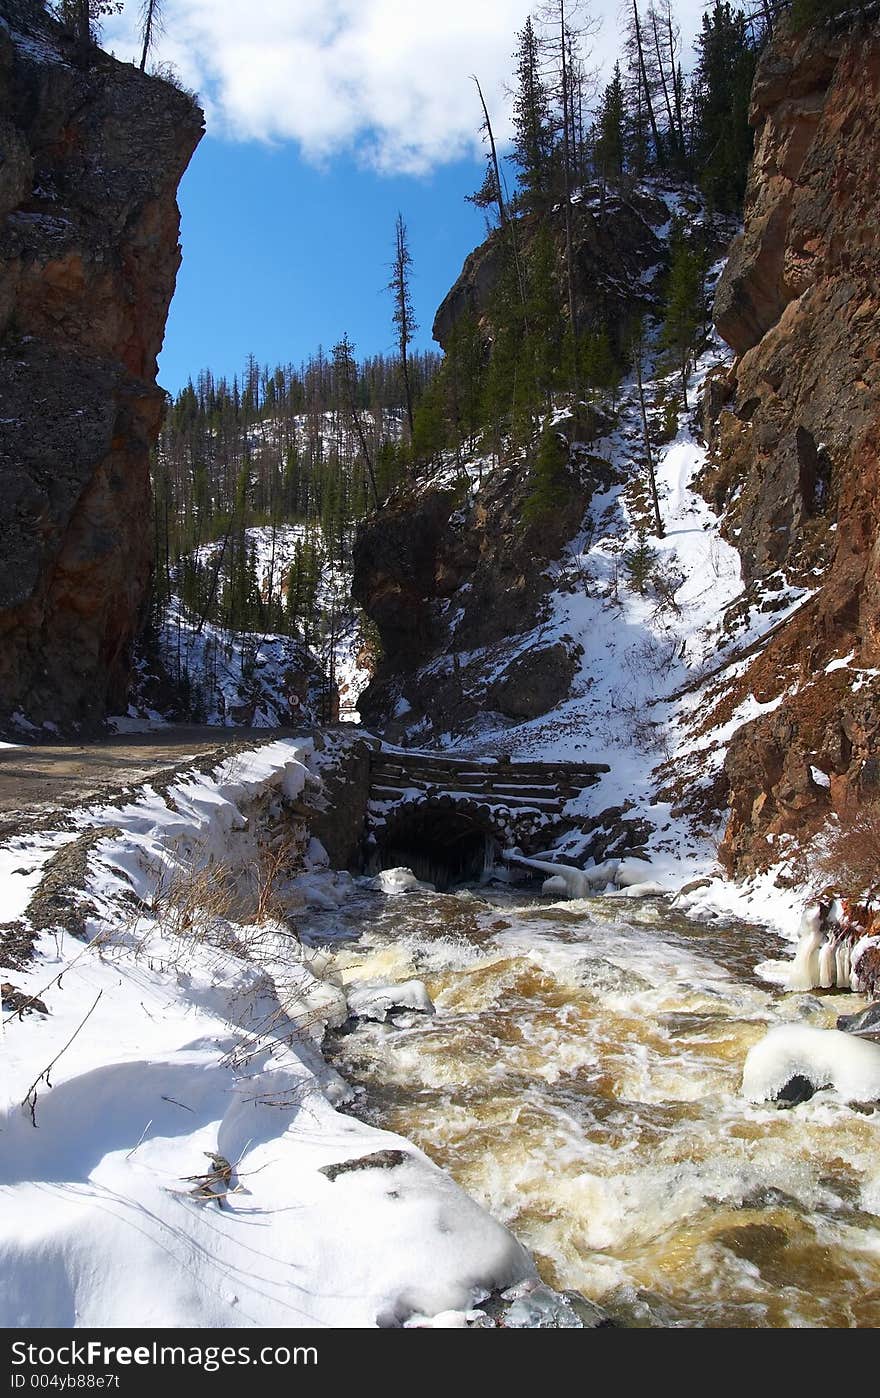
(345, 375)
(151, 26)
(566, 27)
(664, 45)
(542, 349)
(650, 150)
(430, 432)
(726, 59)
(599, 367)
(684, 309)
(532, 122)
(403, 316)
(488, 196)
(491, 187)
(84, 18)
(549, 479)
(638, 358)
(610, 147)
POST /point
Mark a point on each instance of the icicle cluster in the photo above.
(832, 943)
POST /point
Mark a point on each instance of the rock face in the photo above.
(616, 243)
(796, 448)
(451, 580)
(338, 812)
(91, 160)
(457, 579)
(533, 683)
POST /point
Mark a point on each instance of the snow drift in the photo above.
(163, 1053)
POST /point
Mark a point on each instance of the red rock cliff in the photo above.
(797, 451)
(90, 161)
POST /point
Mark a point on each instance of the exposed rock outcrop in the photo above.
(617, 242)
(533, 683)
(338, 812)
(447, 575)
(796, 449)
(92, 156)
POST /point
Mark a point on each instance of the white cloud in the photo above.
(386, 79)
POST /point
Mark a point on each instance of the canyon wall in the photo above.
(92, 154)
(795, 451)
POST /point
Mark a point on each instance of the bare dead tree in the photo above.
(504, 222)
(487, 127)
(151, 26)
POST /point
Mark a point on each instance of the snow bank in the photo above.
(824, 1057)
(171, 1175)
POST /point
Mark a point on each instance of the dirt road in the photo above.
(39, 783)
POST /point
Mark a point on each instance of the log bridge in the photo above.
(446, 818)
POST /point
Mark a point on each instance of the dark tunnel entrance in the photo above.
(443, 847)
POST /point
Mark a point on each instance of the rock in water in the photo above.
(867, 1022)
(793, 1061)
(531, 1305)
(377, 1002)
(798, 1089)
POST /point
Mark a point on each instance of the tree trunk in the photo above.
(502, 213)
(566, 164)
(658, 49)
(649, 455)
(148, 32)
(83, 31)
(658, 144)
(408, 391)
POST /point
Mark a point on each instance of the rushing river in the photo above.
(581, 1079)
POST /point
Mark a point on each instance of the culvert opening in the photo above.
(441, 847)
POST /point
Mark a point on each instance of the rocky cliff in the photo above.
(454, 581)
(795, 462)
(90, 160)
(619, 252)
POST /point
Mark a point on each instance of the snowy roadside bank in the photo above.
(169, 1124)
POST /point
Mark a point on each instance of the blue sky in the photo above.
(280, 256)
(324, 118)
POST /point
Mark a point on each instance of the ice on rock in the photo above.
(563, 880)
(822, 1057)
(827, 966)
(555, 887)
(399, 881)
(632, 871)
(867, 1021)
(531, 1305)
(376, 1002)
(804, 974)
(864, 944)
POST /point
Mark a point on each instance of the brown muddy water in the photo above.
(581, 1079)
